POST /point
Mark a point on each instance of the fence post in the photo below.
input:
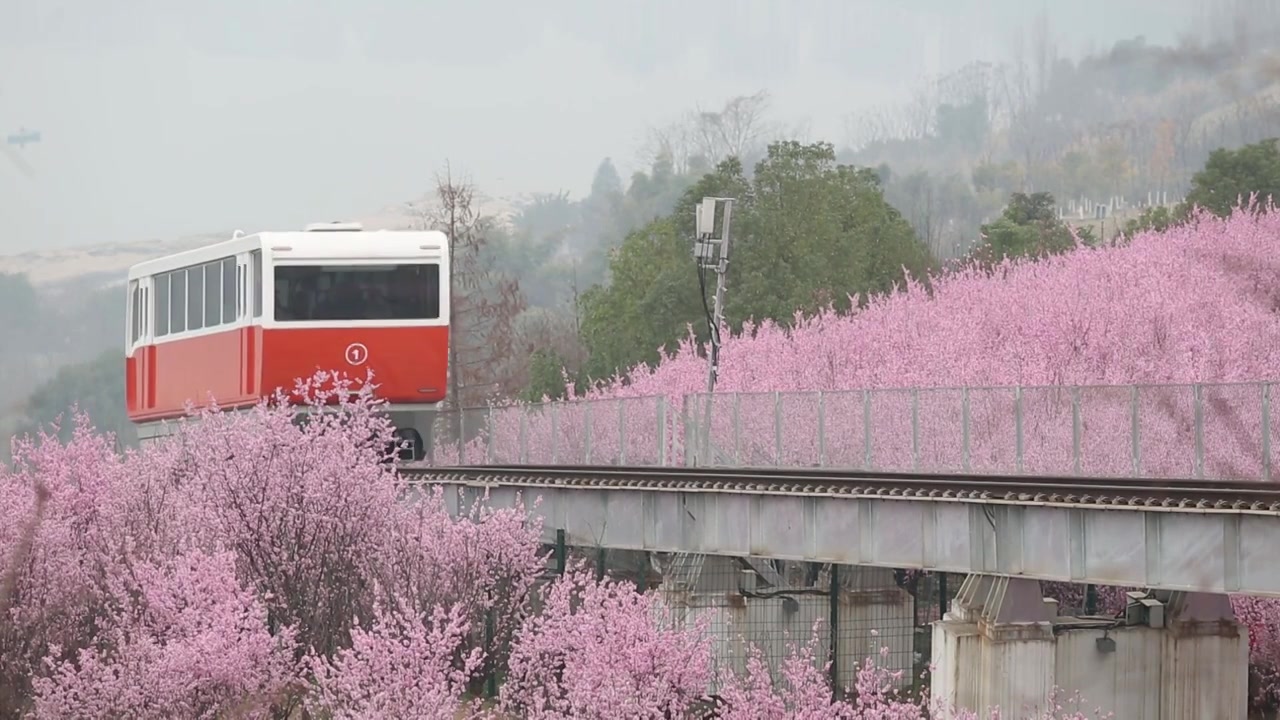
(524, 435)
(462, 436)
(622, 432)
(662, 431)
(1134, 433)
(942, 595)
(777, 429)
(1266, 431)
(555, 433)
(822, 430)
(1076, 428)
(737, 428)
(491, 679)
(704, 437)
(692, 453)
(1198, 396)
(834, 597)
(431, 440)
(488, 439)
(586, 431)
(915, 429)
(562, 554)
(1017, 426)
(866, 429)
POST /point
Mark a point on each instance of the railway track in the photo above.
(1174, 494)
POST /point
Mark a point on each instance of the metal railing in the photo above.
(1221, 431)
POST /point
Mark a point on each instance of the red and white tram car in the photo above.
(239, 319)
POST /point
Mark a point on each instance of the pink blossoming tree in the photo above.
(244, 565)
(185, 640)
(602, 650)
(403, 664)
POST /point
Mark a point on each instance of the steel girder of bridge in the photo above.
(1092, 539)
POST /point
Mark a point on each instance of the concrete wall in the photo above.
(1125, 682)
(1151, 674)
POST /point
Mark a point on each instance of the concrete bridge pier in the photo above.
(995, 647)
(1172, 656)
(1204, 663)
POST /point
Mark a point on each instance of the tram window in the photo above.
(178, 301)
(212, 295)
(162, 304)
(135, 319)
(357, 292)
(229, 290)
(195, 298)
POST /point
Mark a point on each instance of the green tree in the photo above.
(95, 388)
(1157, 218)
(21, 304)
(546, 377)
(1232, 175)
(807, 232)
(1029, 227)
(647, 306)
(964, 125)
(816, 232)
(989, 177)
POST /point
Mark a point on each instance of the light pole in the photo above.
(711, 250)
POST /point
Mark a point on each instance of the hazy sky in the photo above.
(169, 117)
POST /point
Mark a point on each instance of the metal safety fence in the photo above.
(1222, 431)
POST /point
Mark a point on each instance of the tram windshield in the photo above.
(357, 292)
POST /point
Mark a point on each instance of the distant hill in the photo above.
(104, 265)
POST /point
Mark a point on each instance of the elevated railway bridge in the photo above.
(1166, 488)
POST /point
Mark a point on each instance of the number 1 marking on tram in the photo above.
(357, 354)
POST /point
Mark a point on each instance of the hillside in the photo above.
(100, 266)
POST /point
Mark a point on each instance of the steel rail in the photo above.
(1152, 493)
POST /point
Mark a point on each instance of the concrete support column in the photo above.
(995, 648)
(1171, 656)
(1204, 659)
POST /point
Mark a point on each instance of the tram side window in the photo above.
(135, 317)
(357, 292)
(203, 296)
(212, 295)
(195, 298)
(162, 304)
(178, 301)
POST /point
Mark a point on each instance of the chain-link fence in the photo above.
(1202, 431)
(616, 431)
(857, 614)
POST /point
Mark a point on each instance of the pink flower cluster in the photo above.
(602, 650)
(192, 643)
(404, 662)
